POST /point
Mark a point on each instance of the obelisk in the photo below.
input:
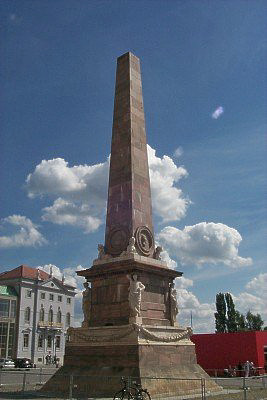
(129, 303)
(129, 211)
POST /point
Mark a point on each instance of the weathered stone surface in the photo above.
(165, 369)
(110, 290)
(129, 196)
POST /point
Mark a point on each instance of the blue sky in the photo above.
(204, 86)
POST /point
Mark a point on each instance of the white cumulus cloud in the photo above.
(168, 200)
(27, 234)
(202, 243)
(255, 298)
(65, 212)
(217, 113)
(79, 192)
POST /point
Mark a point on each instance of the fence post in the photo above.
(263, 382)
(244, 387)
(202, 391)
(40, 375)
(71, 386)
(24, 382)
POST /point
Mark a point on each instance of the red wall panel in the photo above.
(219, 350)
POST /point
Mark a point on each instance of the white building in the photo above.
(45, 310)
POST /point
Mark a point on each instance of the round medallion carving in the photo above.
(117, 240)
(144, 240)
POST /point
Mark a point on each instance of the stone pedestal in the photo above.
(162, 359)
(145, 347)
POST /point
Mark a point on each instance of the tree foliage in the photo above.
(231, 322)
(220, 315)
(228, 319)
(254, 322)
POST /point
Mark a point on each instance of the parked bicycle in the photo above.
(135, 392)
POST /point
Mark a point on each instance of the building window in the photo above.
(57, 342)
(4, 308)
(50, 315)
(59, 316)
(49, 341)
(51, 297)
(10, 349)
(41, 314)
(3, 338)
(68, 300)
(13, 309)
(68, 319)
(43, 295)
(28, 293)
(40, 341)
(27, 315)
(26, 340)
(59, 298)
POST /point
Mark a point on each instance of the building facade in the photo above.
(45, 310)
(218, 351)
(8, 307)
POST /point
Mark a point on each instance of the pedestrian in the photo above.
(46, 359)
(247, 368)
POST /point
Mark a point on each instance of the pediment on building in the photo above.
(53, 283)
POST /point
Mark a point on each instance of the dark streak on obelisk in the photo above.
(129, 210)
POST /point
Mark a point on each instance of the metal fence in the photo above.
(83, 387)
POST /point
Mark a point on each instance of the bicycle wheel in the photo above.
(145, 395)
(123, 395)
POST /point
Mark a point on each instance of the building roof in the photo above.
(23, 271)
(7, 291)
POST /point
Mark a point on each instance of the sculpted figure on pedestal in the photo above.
(86, 305)
(157, 253)
(173, 304)
(135, 293)
(131, 246)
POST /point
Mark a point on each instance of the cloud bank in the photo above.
(213, 243)
(27, 235)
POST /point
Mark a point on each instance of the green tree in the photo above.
(240, 322)
(231, 322)
(220, 315)
(254, 322)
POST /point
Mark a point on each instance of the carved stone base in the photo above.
(143, 352)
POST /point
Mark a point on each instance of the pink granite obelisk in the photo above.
(129, 211)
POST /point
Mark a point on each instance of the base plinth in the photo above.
(162, 359)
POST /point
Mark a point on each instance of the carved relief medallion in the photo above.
(144, 240)
(117, 240)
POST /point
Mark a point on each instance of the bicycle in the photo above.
(135, 392)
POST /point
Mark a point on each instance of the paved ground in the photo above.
(13, 381)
